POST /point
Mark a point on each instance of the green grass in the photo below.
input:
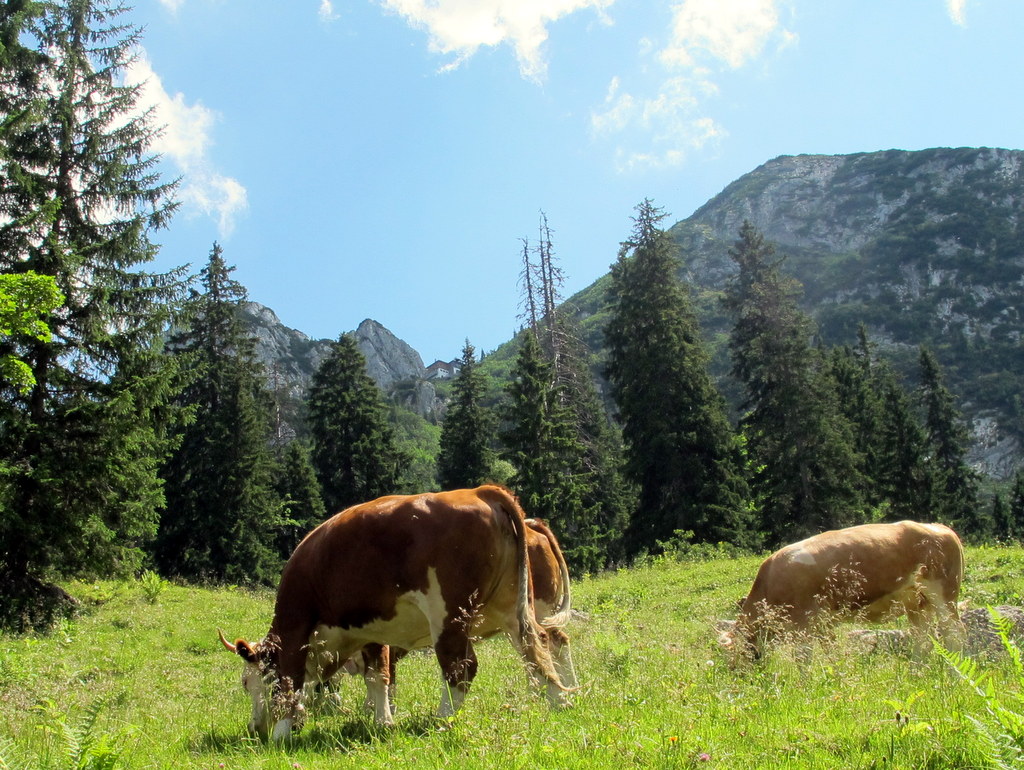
(141, 681)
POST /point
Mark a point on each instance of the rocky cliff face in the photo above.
(922, 247)
(291, 358)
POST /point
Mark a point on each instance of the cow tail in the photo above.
(532, 638)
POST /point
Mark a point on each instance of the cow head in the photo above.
(274, 701)
(737, 641)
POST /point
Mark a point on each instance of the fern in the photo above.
(6, 760)
(1001, 728)
(80, 747)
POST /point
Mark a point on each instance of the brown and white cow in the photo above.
(411, 571)
(872, 571)
(549, 576)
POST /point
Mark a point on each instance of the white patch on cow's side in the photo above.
(418, 620)
(801, 556)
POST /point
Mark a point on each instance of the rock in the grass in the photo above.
(981, 632)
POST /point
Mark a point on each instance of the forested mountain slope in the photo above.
(922, 247)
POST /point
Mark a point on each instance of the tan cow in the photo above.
(431, 570)
(552, 594)
(872, 571)
(549, 575)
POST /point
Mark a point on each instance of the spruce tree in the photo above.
(527, 437)
(800, 446)
(465, 458)
(954, 484)
(79, 198)
(223, 513)
(542, 444)
(558, 437)
(1015, 526)
(901, 475)
(860, 385)
(680, 451)
(1002, 524)
(354, 450)
(299, 490)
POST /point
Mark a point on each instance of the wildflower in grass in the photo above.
(703, 757)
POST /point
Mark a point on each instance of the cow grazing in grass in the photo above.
(871, 571)
(549, 575)
(430, 570)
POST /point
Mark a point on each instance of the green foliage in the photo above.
(551, 477)
(74, 745)
(152, 585)
(889, 440)
(954, 491)
(557, 433)
(1015, 525)
(420, 441)
(23, 299)
(465, 457)
(354, 450)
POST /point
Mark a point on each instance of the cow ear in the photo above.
(246, 651)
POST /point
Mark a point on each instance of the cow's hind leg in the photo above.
(455, 655)
(933, 614)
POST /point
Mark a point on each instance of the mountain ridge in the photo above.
(923, 247)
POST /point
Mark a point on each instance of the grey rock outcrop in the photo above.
(291, 358)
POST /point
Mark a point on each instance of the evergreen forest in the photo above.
(138, 427)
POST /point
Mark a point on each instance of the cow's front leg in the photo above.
(288, 708)
(377, 675)
(455, 655)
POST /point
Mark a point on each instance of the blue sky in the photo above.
(384, 158)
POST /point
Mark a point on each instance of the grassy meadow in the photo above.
(140, 680)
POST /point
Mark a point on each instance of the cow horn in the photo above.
(228, 645)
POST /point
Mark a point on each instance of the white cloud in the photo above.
(216, 196)
(668, 124)
(670, 119)
(327, 12)
(461, 27)
(172, 5)
(185, 141)
(731, 31)
(957, 11)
